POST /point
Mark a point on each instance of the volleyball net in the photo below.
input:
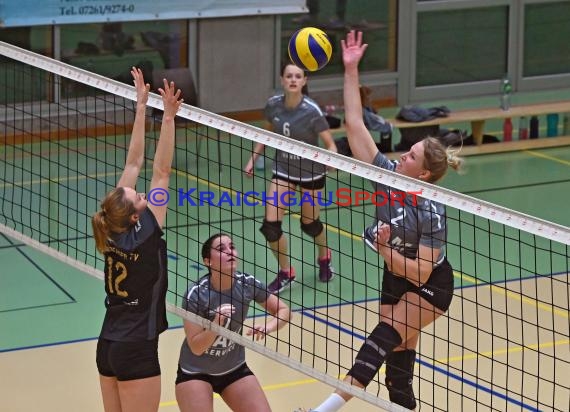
(503, 344)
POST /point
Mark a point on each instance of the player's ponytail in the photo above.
(437, 158)
(454, 161)
(114, 217)
(100, 231)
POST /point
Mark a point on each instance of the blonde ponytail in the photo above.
(437, 158)
(454, 161)
(100, 231)
(114, 217)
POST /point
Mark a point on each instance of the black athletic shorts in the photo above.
(218, 382)
(128, 360)
(317, 184)
(438, 290)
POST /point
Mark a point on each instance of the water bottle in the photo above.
(523, 128)
(506, 90)
(331, 109)
(507, 130)
(566, 125)
(552, 125)
(534, 127)
(385, 142)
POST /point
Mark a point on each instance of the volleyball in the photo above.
(310, 49)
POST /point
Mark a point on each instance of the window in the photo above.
(32, 84)
(111, 49)
(459, 46)
(546, 39)
(376, 18)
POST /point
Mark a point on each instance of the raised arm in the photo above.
(359, 138)
(165, 147)
(135, 154)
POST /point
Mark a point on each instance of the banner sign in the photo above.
(47, 12)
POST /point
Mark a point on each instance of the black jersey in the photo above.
(136, 283)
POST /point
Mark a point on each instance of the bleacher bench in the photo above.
(477, 119)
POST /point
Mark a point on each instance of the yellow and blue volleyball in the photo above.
(310, 49)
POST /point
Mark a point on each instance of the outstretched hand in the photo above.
(257, 331)
(352, 49)
(170, 99)
(141, 87)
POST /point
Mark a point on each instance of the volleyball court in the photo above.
(504, 343)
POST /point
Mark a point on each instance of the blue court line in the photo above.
(297, 310)
(431, 366)
(36, 307)
(359, 336)
(47, 345)
(29, 259)
(334, 326)
(67, 342)
(13, 245)
(523, 186)
(63, 342)
(47, 242)
(472, 285)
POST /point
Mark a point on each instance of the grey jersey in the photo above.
(224, 355)
(411, 225)
(303, 123)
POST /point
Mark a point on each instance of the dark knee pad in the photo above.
(383, 339)
(312, 229)
(399, 376)
(271, 230)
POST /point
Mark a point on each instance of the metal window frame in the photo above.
(407, 51)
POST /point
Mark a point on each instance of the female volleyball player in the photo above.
(294, 115)
(211, 363)
(128, 233)
(417, 285)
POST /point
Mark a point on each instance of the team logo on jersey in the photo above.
(138, 226)
(222, 345)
